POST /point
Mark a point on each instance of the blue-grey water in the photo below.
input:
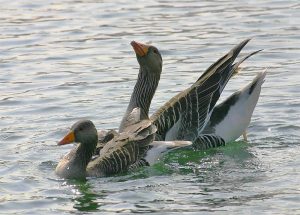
(61, 61)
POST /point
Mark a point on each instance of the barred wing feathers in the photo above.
(124, 150)
(186, 114)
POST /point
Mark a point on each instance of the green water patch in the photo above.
(87, 201)
(183, 156)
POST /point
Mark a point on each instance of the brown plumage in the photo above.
(115, 157)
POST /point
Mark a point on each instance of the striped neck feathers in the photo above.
(144, 91)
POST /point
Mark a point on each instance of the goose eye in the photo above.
(155, 51)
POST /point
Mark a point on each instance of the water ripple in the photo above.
(67, 60)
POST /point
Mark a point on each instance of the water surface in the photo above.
(66, 60)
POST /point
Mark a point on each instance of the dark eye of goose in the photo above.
(155, 51)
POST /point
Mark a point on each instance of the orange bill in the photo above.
(69, 138)
(139, 48)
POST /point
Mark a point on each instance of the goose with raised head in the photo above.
(150, 61)
(185, 116)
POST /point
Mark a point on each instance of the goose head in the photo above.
(148, 57)
(73, 164)
(83, 131)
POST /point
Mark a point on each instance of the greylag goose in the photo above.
(124, 150)
(185, 116)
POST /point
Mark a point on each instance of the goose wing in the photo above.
(105, 136)
(186, 114)
(125, 149)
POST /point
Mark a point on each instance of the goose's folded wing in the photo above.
(103, 138)
(124, 150)
(133, 127)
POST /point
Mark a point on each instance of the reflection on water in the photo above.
(67, 60)
(85, 199)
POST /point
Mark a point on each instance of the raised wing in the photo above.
(186, 114)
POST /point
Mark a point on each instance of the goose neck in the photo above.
(143, 92)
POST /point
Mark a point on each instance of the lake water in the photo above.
(61, 61)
